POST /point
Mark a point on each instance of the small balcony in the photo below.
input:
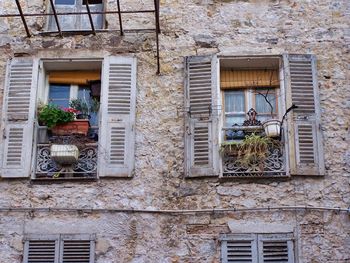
(83, 165)
(247, 152)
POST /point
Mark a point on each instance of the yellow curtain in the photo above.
(232, 79)
(73, 77)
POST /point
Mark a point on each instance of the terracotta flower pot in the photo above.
(73, 127)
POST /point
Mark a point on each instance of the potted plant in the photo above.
(85, 108)
(62, 121)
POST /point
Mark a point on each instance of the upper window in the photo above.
(84, 124)
(76, 22)
(253, 116)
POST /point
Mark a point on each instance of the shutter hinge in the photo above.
(4, 134)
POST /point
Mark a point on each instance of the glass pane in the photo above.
(65, 2)
(233, 120)
(59, 95)
(262, 106)
(234, 101)
(84, 94)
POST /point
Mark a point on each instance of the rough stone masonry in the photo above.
(194, 27)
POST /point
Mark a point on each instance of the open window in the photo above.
(69, 22)
(252, 117)
(69, 118)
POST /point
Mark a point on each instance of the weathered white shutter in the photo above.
(239, 248)
(117, 130)
(77, 248)
(201, 133)
(41, 250)
(304, 130)
(18, 116)
(276, 248)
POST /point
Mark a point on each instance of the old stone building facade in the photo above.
(160, 189)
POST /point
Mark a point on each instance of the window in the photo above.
(59, 248)
(227, 101)
(257, 248)
(106, 149)
(76, 22)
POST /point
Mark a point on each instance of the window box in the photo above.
(72, 127)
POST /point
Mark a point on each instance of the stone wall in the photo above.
(192, 27)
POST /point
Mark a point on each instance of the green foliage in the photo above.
(51, 115)
(252, 150)
(84, 107)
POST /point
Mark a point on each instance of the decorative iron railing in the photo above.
(272, 165)
(84, 168)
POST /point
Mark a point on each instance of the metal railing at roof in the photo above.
(93, 30)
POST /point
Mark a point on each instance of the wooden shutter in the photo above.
(276, 248)
(41, 250)
(18, 116)
(201, 133)
(239, 248)
(77, 248)
(304, 130)
(117, 132)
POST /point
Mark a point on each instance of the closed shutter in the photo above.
(239, 248)
(18, 116)
(304, 130)
(201, 133)
(118, 105)
(77, 248)
(39, 251)
(276, 248)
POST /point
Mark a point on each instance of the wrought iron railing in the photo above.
(273, 165)
(85, 167)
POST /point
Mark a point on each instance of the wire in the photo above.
(170, 211)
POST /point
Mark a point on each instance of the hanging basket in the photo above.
(272, 128)
(64, 154)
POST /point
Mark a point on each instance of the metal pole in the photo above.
(56, 17)
(22, 17)
(90, 17)
(120, 19)
(156, 6)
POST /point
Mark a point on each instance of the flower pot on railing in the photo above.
(72, 127)
(64, 154)
(272, 128)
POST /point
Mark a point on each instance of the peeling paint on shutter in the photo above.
(239, 248)
(201, 136)
(276, 248)
(76, 251)
(18, 118)
(304, 130)
(118, 106)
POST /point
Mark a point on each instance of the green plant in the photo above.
(51, 115)
(85, 107)
(252, 150)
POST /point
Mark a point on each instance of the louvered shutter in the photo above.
(77, 248)
(41, 250)
(201, 133)
(304, 131)
(18, 116)
(239, 248)
(118, 105)
(276, 248)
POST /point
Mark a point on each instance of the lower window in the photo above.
(59, 248)
(257, 248)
